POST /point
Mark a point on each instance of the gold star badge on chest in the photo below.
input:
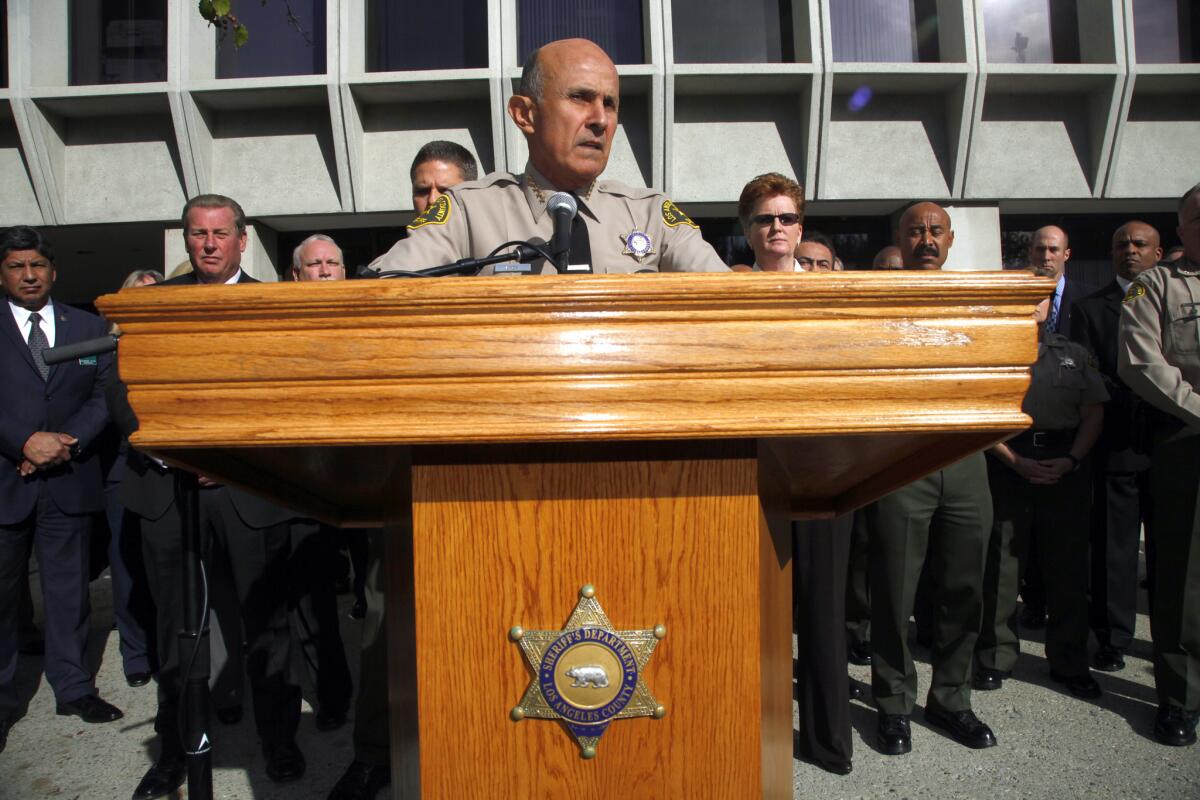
(587, 674)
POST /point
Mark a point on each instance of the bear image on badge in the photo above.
(587, 674)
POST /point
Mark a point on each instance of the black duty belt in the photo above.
(1043, 440)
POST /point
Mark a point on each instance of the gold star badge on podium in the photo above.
(587, 674)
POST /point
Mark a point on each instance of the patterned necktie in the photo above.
(1052, 319)
(38, 343)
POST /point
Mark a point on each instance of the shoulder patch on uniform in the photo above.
(1136, 290)
(436, 214)
(673, 216)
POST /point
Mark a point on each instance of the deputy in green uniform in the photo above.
(903, 538)
(1159, 358)
(1040, 487)
(567, 110)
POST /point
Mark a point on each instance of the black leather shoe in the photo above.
(330, 719)
(285, 762)
(859, 654)
(5, 724)
(1033, 618)
(1082, 686)
(836, 767)
(136, 679)
(1175, 727)
(963, 726)
(856, 691)
(987, 679)
(167, 775)
(1108, 659)
(229, 716)
(89, 708)
(361, 781)
(893, 735)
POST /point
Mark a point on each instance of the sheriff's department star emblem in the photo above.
(587, 674)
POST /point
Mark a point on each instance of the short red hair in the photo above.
(767, 186)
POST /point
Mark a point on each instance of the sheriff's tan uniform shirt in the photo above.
(475, 218)
(1159, 352)
(1063, 382)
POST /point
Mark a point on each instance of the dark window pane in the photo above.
(118, 41)
(408, 35)
(884, 30)
(1166, 31)
(751, 32)
(285, 39)
(615, 25)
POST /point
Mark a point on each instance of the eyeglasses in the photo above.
(784, 219)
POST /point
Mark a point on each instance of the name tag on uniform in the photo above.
(579, 267)
(87, 361)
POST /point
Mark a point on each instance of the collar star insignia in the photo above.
(587, 674)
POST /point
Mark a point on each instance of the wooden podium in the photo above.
(650, 435)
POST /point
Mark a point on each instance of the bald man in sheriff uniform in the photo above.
(567, 109)
(944, 520)
(1159, 359)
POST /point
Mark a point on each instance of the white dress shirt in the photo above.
(21, 315)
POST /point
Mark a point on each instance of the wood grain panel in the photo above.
(677, 542)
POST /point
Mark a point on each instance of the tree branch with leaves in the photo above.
(222, 16)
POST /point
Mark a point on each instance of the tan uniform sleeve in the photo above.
(1141, 362)
(439, 236)
(683, 248)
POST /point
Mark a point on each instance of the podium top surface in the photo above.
(571, 358)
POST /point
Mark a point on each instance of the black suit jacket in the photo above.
(70, 401)
(1096, 325)
(148, 490)
(1073, 292)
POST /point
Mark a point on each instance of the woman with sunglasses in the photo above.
(771, 210)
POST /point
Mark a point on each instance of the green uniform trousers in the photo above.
(1047, 525)
(944, 518)
(1175, 609)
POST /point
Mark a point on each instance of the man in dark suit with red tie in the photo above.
(1120, 493)
(252, 532)
(50, 479)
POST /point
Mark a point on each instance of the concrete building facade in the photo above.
(115, 111)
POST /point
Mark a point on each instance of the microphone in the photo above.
(563, 208)
(88, 347)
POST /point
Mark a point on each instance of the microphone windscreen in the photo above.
(562, 201)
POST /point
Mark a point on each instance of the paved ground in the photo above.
(1051, 745)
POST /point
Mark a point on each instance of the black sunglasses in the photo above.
(784, 219)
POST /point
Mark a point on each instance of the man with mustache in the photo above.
(566, 108)
(904, 539)
(1120, 491)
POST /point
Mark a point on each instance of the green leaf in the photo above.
(240, 35)
(207, 11)
(222, 7)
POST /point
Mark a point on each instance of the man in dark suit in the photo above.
(1049, 252)
(1120, 484)
(50, 479)
(251, 532)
